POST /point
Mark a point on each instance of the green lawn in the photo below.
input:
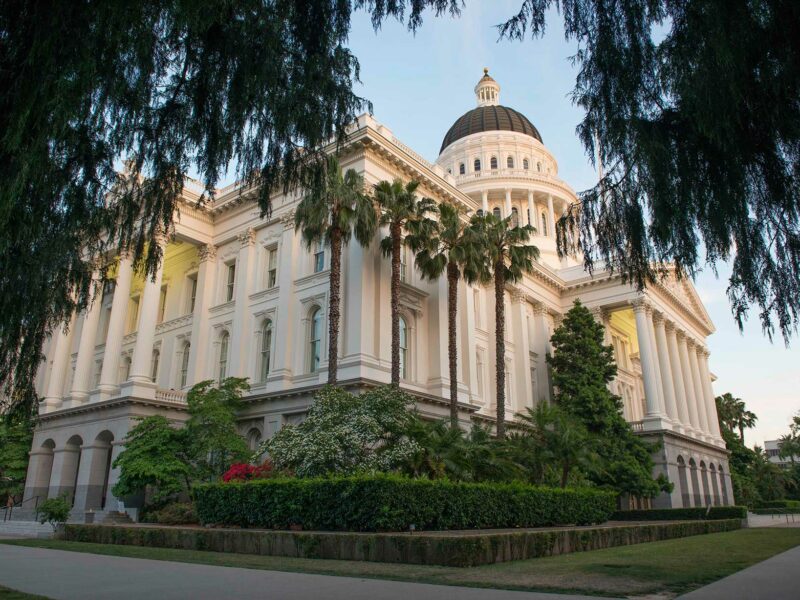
(671, 566)
(7, 594)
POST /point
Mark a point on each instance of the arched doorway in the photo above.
(724, 486)
(695, 483)
(704, 476)
(714, 484)
(98, 461)
(683, 483)
(66, 465)
(41, 469)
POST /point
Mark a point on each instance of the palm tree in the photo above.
(733, 415)
(335, 209)
(506, 256)
(399, 206)
(448, 244)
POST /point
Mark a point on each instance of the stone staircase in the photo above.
(25, 529)
(116, 518)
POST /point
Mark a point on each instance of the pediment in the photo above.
(684, 292)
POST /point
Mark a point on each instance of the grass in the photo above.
(7, 594)
(668, 567)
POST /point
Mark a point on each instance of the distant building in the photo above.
(773, 449)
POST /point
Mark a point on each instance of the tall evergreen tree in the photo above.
(448, 245)
(333, 211)
(16, 434)
(506, 256)
(399, 206)
(582, 367)
(167, 86)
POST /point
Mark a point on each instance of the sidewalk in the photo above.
(777, 578)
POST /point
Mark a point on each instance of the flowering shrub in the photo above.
(245, 472)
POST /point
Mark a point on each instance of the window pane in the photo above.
(231, 282)
(403, 349)
(223, 356)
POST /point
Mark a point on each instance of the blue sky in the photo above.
(419, 84)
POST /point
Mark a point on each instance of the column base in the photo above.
(655, 423)
(138, 389)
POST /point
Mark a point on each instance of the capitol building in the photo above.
(240, 295)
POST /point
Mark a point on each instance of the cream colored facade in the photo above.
(238, 295)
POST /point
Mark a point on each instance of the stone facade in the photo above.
(238, 295)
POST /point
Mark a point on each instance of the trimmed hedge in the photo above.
(779, 504)
(682, 514)
(393, 503)
(479, 548)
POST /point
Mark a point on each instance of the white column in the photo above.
(146, 330)
(116, 327)
(86, 345)
(705, 374)
(468, 344)
(691, 401)
(698, 388)
(656, 362)
(602, 317)
(286, 325)
(541, 345)
(61, 355)
(485, 201)
(507, 204)
(648, 359)
(198, 344)
(522, 356)
(245, 277)
(551, 215)
(531, 210)
(678, 378)
(667, 379)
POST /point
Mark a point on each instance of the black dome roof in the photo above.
(489, 118)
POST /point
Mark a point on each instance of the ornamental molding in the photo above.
(287, 219)
(207, 252)
(247, 238)
(174, 323)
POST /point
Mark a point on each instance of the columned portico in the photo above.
(109, 374)
(55, 389)
(86, 345)
(654, 418)
(683, 351)
(678, 378)
(667, 379)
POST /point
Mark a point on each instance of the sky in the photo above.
(420, 84)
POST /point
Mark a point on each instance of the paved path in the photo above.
(773, 520)
(65, 575)
(777, 578)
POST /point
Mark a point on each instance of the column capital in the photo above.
(247, 237)
(690, 342)
(518, 297)
(600, 313)
(287, 219)
(669, 326)
(540, 309)
(640, 304)
(207, 252)
(658, 317)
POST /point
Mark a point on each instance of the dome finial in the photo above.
(487, 92)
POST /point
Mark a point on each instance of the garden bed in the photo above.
(450, 548)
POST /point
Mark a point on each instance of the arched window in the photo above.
(510, 162)
(714, 484)
(514, 217)
(525, 164)
(544, 223)
(185, 364)
(539, 167)
(493, 163)
(315, 340)
(476, 166)
(253, 439)
(480, 212)
(496, 211)
(266, 347)
(723, 486)
(154, 364)
(698, 500)
(403, 349)
(704, 477)
(462, 169)
(224, 340)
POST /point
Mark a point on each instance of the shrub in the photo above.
(779, 504)
(174, 513)
(393, 503)
(55, 511)
(682, 514)
(239, 472)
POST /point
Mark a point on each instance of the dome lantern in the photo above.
(487, 91)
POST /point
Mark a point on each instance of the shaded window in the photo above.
(525, 164)
(154, 365)
(510, 162)
(319, 258)
(403, 349)
(493, 162)
(185, 364)
(192, 293)
(480, 212)
(315, 341)
(462, 169)
(229, 288)
(222, 370)
(539, 167)
(272, 268)
(266, 346)
(514, 217)
(496, 212)
(544, 223)
(162, 304)
(477, 164)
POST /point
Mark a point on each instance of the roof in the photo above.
(489, 118)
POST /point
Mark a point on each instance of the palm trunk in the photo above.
(500, 347)
(333, 307)
(741, 432)
(395, 233)
(452, 350)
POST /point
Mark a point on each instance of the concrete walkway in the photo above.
(777, 578)
(62, 575)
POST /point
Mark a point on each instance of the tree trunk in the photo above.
(333, 307)
(452, 349)
(741, 432)
(394, 231)
(500, 347)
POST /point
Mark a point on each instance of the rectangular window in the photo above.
(319, 259)
(162, 304)
(403, 265)
(229, 289)
(272, 268)
(192, 293)
(133, 314)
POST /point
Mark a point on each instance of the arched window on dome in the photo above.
(525, 164)
(514, 217)
(510, 162)
(493, 163)
(462, 169)
(539, 167)
(544, 223)
(496, 212)
(476, 166)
